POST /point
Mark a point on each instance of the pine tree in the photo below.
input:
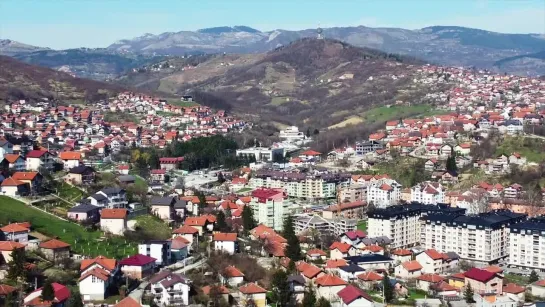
(451, 163)
(387, 289)
(281, 293)
(468, 294)
(323, 302)
(48, 293)
(221, 223)
(202, 201)
(533, 277)
(293, 249)
(16, 267)
(75, 299)
(248, 219)
(309, 300)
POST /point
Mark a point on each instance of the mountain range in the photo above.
(444, 45)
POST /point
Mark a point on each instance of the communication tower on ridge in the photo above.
(320, 31)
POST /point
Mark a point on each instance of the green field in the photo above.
(85, 242)
(69, 192)
(530, 148)
(154, 226)
(383, 114)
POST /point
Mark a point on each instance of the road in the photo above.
(137, 293)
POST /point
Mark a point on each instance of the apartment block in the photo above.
(384, 192)
(527, 244)
(269, 207)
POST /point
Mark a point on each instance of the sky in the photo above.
(62, 24)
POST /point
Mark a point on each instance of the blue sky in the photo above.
(98, 23)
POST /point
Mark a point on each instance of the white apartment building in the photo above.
(300, 185)
(337, 226)
(291, 134)
(428, 193)
(527, 244)
(170, 289)
(262, 154)
(401, 223)
(384, 192)
(483, 237)
(158, 249)
(269, 207)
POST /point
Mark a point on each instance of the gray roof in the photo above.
(98, 197)
(452, 255)
(180, 204)
(83, 208)
(126, 178)
(112, 191)
(297, 279)
(162, 201)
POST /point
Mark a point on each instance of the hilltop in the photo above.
(19, 80)
(320, 83)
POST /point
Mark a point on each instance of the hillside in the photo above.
(526, 64)
(320, 83)
(19, 80)
(11, 47)
(446, 45)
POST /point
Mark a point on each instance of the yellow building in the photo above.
(457, 280)
(253, 293)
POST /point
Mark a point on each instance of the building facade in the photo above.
(527, 244)
(269, 207)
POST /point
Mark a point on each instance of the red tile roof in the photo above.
(316, 252)
(137, 260)
(433, 278)
(10, 182)
(493, 269)
(412, 265)
(185, 229)
(113, 213)
(35, 153)
(15, 227)
(96, 272)
(311, 153)
(435, 255)
(402, 252)
(232, 271)
(6, 289)
(106, 263)
(370, 276)
(128, 302)
(513, 288)
(222, 289)
(10, 245)
(311, 271)
(351, 293)
(342, 247)
(479, 275)
(220, 236)
(333, 264)
(329, 281)
(11, 158)
(251, 288)
(54, 244)
(70, 155)
(24, 175)
(540, 283)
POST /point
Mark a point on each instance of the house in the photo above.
(231, 276)
(33, 179)
(169, 163)
(98, 200)
(515, 292)
(463, 149)
(401, 255)
(352, 296)
(483, 281)
(84, 212)
(15, 162)
(225, 242)
(128, 302)
(408, 270)
(353, 237)
(179, 249)
(201, 223)
(5, 148)
(13, 188)
(80, 175)
(163, 207)
(37, 159)
(316, 254)
(327, 286)
(538, 288)
(169, 289)
(6, 291)
(349, 272)
(252, 295)
(62, 294)
(123, 169)
(431, 261)
(443, 288)
(494, 300)
(115, 197)
(309, 271)
(113, 221)
(6, 248)
(340, 250)
(426, 281)
(55, 250)
(297, 287)
(157, 249)
(221, 290)
(17, 232)
(158, 175)
(70, 159)
(369, 280)
(94, 283)
(238, 184)
(138, 266)
(372, 261)
(107, 264)
(187, 232)
(457, 280)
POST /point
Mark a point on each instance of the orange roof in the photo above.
(402, 252)
(15, 227)
(431, 278)
(494, 269)
(24, 175)
(185, 229)
(10, 245)
(435, 255)
(333, 264)
(311, 271)
(128, 302)
(342, 247)
(316, 251)
(11, 158)
(412, 265)
(513, 288)
(113, 213)
(70, 155)
(97, 272)
(222, 289)
(374, 248)
(329, 281)
(370, 276)
(540, 283)
(251, 288)
(231, 271)
(10, 182)
(106, 263)
(53, 244)
(220, 236)
(196, 221)
(311, 153)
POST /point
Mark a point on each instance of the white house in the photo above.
(428, 193)
(113, 221)
(17, 232)
(138, 266)
(431, 261)
(231, 276)
(384, 192)
(225, 242)
(93, 284)
(158, 249)
(116, 197)
(37, 159)
(70, 159)
(170, 289)
(327, 286)
(408, 270)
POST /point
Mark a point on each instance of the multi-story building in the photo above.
(262, 154)
(401, 223)
(291, 134)
(428, 193)
(337, 226)
(301, 185)
(384, 192)
(353, 210)
(527, 243)
(366, 147)
(352, 193)
(170, 289)
(269, 207)
(483, 237)
(158, 249)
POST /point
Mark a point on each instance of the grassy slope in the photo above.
(87, 241)
(532, 149)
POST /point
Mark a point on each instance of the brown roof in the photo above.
(412, 265)
(97, 272)
(251, 288)
(435, 255)
(11, 158)
(222, 289)
(10, 245)
(402, 252)
(494, 269)
(113, 213)
(10, 182)
(53, 244)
